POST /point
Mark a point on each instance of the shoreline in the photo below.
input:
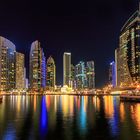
(60, 94)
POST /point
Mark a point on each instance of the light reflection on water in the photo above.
(68, 117)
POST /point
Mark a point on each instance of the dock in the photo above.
(131, 98)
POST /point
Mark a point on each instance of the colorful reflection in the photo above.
(135, 114)
(10, 133)
(122, 112)
(114, 121)
(82, 116)
(43, 117)
(35, 103)
(109, 106)
(78, 117)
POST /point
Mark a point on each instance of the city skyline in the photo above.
(70, 70)
(42, 71)
(68, 31)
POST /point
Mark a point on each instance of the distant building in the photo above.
(51, 73)
(67, 69)
(7, 65)
(128, 53)
(118, 64)
(20, 71)
(73, 82)
(80, 75)
(90, 73)
(24, 78)
(112, 74)
(37, 67)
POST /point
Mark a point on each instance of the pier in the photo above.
(131, 98)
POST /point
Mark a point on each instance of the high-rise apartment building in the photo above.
(80, 72)
(43, 70)
(128, 53)
(37, 74)
(73, 82)
(20, 71)
(7, 64)
(112, 74)
(67, 69)
(51, 73)
(90, 73)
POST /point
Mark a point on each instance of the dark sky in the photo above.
(89, 29)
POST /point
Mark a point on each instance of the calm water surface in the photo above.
(68, 118)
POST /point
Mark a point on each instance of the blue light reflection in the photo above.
(43, 117)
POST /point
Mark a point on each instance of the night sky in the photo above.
(89, 29)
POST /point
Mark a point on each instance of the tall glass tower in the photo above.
(20, 71)
(37, 74)
(112, 74)
(128, 53)
(67, 69)
(90, 73)
(81, 78)
(7, 64)
(51, 73)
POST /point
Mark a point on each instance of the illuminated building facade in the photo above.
(90, 73)
(37, 67)
(80, 72)
(20, 71)
(51, 73)
(25, 77)
(67, 69)
(7, 64)
(73, 82)
(43, 70)
(128, 53)
(112, 74)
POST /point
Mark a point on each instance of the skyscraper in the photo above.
(127, 55)
(90, 73)
(73, 82)
(80, 72)
(51, 73)
(7, 64)
(43, 70)
(112, 74)
(20, 71)
(37, 67)
(67, 69)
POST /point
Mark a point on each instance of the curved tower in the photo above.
(7, 64)
(128, 53)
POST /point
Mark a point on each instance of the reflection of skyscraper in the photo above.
(112, 74)
(80, 72)
(43, 119)
(51, 73)
(128, 58)
(37, 67)
(7, 64)
(66, 69)
(20, 71)
(90, 73)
